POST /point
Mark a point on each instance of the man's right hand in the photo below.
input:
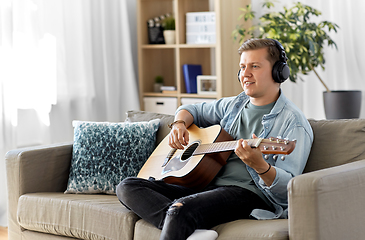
(179, 136)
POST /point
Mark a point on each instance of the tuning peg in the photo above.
(282, 158)
(294, 140)
(275, 157)
(279, 137)
(266, 157)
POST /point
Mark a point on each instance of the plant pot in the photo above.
(342, 104)
(169, 36)
(157, 87)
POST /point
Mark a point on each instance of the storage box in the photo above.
(185, 101)
(167, 105)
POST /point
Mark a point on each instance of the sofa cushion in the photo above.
(336, 142)
(106, 153)
(85, 216)
(165, 119)
(244, 229)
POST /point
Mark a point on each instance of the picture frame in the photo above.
(206, 84)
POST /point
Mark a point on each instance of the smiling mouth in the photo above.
(248, 83)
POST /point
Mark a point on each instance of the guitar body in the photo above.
(182, 169)
(200, 161)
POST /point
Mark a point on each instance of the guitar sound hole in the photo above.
(189, 151)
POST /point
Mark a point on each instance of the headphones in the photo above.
(280, 70)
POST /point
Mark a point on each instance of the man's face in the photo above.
(256, 77)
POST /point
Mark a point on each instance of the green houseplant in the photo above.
(168, 25)
(303, 39)
(158, 83)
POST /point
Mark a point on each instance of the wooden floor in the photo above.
(3, 233)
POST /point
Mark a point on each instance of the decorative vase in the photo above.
(342, 104)
(169, 36)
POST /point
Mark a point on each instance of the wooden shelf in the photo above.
(158, 46)
(153, 94)
(192, 95)
(220, 59)
(161, 46)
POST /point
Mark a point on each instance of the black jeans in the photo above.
(178, 210)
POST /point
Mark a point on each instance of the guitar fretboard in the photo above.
(223, 146)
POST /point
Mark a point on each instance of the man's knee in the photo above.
(174, 208)
(181, 205)
(125, 186)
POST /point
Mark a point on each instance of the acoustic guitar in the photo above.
(200, 161)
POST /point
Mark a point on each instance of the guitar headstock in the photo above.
(276, 146)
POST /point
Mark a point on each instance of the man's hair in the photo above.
(257, 43)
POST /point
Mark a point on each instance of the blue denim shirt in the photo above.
(284, 120)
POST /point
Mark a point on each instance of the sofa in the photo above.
(326, 202)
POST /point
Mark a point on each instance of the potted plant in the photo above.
(304, 41)
(158, 83)
(168, 25)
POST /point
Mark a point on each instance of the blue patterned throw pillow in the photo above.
(105, 153)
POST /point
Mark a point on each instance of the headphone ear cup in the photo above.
(280, 71)
(285, 72)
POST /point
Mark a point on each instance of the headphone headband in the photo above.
(281, 49)
(280, 70)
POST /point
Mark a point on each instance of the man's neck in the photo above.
(265, 100)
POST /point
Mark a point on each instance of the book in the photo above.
(168, 88)
(191, 71)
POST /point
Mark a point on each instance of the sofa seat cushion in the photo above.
(84, 216)
(237, 230)
(245, 229)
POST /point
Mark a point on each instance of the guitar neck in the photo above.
(223, 146)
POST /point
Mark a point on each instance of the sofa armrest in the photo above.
(328, 204)
(35, 169)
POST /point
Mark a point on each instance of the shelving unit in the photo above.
(220, 59)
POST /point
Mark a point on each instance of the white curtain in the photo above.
(344, 67)
(62, 60)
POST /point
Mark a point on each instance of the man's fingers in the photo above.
(186, 137)
(177, 139)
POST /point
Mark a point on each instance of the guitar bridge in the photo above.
(169, 156)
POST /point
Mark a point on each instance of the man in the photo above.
(250, 184)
